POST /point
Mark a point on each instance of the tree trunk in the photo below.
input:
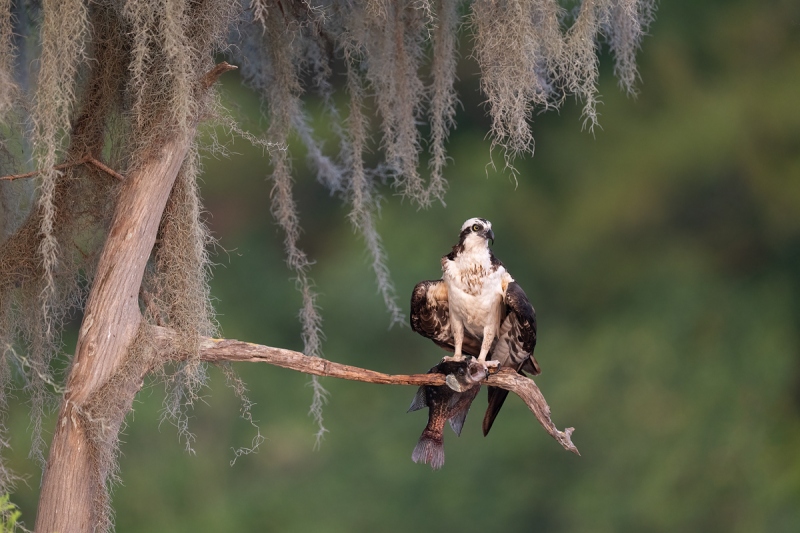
(73, 497)
(73, 479)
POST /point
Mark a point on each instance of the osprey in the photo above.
(477, 309)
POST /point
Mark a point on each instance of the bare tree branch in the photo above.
(86, 159)
(219, 350)
(213, 75)
(105, 168)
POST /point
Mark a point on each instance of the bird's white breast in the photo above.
(475, 289)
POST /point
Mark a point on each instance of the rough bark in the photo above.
(111, 320)
(73, 482)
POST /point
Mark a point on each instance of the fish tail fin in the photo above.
(429, 450)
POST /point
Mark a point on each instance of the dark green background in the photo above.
(662, 255)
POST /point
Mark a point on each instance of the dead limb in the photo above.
(220, 350)
(84, 160)
(105, 168)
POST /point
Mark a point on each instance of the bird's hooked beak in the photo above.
(490, 236)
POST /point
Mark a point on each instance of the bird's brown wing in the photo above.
(517, 336)
(430, 317)
(514, 347)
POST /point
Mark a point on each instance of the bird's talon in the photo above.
(476, 372)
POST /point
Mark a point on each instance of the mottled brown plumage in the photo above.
(477, 309)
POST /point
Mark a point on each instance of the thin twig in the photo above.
(105, 168)
(211, 77)
(219, 350)
(12, 177)
(61, 166)
(206, 82)
(86, 159)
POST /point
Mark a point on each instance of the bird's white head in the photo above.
(476, 232)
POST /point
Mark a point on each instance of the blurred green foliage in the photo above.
(662, 255)
(9, 514)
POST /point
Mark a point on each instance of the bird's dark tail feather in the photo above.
(496, 398)
(429, 450)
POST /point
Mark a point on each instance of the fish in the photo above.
(449, 402)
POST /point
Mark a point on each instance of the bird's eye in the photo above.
(476, 227)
